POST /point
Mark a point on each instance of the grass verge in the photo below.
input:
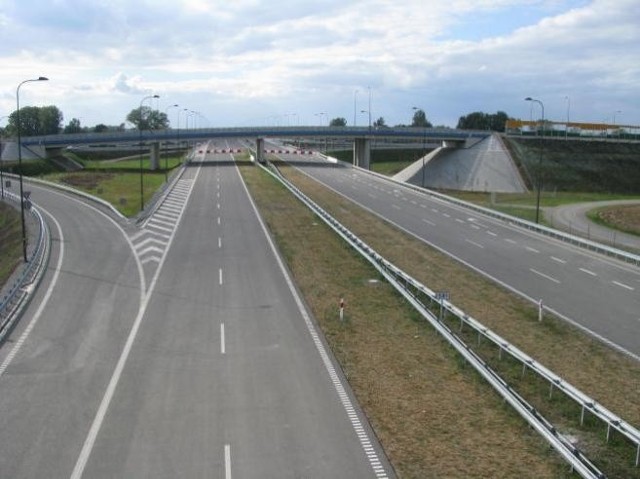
(609, 377)
(10, 241)
(118, 183)
(434, 416)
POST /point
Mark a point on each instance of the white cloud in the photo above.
(309, 56)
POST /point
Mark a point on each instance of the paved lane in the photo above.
(51, 380)
(599, 294)
(224, 378)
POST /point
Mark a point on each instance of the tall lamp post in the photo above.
(1, 176)
(140, 138)
(424, 144)
(24, 230)
(355, 101)
(166, 153)
(566, 130)
(539, 175)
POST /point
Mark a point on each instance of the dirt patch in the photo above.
(624, 218)
(86, 181)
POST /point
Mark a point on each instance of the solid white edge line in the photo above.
(335, 379)
(25, 334)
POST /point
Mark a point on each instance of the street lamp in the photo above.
(166, 153)
(355, 98)
(140, 145)
(566, 130)
(24, 230)
(539, 181)
(1, 177)
(424, 145)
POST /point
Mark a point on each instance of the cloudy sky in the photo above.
(260, 62)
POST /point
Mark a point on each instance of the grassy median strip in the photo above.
(434, 416)
(10, 241)
(605, 375)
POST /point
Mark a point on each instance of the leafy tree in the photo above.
(379, 123)
(147, 119)
(420, 119)
(35, 120)
(338, 122)
(73, 126)
(483, 121)
(100, 128)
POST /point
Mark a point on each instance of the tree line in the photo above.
(473, 121)
(47, 120)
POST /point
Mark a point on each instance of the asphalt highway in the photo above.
(596, 293)
(180, 349)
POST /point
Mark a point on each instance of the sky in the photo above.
(287, 62)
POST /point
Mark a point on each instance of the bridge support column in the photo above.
(362, 152)
(154, 155)
(260, 150)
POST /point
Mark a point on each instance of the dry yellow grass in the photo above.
(607, 376)
(434, 416)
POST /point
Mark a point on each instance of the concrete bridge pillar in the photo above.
(260, 150)
(362, 152)
(154, 155)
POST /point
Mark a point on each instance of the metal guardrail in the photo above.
(11, 303)
(413, 291)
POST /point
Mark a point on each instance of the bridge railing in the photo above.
(135, 136)
(423, 298)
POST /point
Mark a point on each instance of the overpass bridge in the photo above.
(361, 137)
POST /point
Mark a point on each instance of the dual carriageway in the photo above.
(186, 350)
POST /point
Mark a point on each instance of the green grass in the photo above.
(117, 182)
(10, 241)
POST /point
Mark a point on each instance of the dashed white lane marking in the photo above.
(475, 227)
(220, 275)
(430, 223)
(371, 195)
(446, 215)
(219, 242)
(434, 210)
(396, 207)
(223, 347)
(458, 220)
(533, 250)
(218, 205)
(218, 220)
(509, 240)
(622, 285)
(559, 260)
(590, 273)
(491, 233)
(545, 276)
(474, 243)
(227, 461)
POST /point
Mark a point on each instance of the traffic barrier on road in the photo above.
(19, 294)
(418, 294)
